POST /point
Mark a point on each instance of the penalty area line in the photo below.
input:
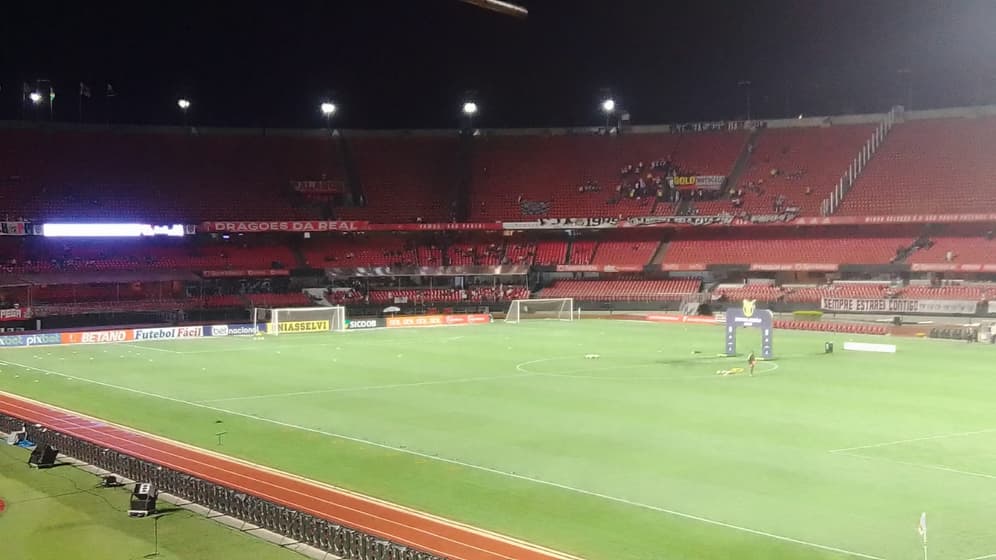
(912, 440)
(525, 478)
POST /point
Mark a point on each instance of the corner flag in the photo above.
(922, 527)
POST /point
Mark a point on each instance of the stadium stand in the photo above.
(404, 179)
(158, 176)
(957, 250)
(582, 252)
(622, 290)
(935, 166)
(787, 161)
(759, 292)
(781, 245)
(624, 252)
(525, 176)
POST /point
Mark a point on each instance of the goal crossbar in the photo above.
(557, 309)
(286, 320)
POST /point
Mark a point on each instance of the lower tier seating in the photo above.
(622, 290)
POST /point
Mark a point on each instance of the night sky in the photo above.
(406, 64)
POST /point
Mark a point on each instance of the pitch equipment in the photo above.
(748, 315)
(559, 309)
(288, 320)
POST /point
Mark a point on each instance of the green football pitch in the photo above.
(642, 453)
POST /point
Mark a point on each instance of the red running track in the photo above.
(388, 521)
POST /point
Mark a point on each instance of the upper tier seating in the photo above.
(814, 157)
(510, 169)
(622, 290)
(404, 177)
(160, 177)
(937, 166)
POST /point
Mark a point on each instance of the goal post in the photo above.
(558, 309)
(288, 320)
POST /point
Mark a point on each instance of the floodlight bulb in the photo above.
(609, 105)
(35, 97)
(328, 108)
(183, 104)
(470, 108)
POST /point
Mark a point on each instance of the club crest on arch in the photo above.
(749, 306)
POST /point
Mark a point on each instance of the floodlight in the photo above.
(328, 108)
(183, 104)
(470, 108)
(609, 105)
(35, 97)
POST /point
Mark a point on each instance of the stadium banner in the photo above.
(805, 267)
(42, 339)
(282, 226)
(897, 219)
(677, 267)
(699, 182)
(15, 228)
(356, 324)
(938, 306)
(245, 273)
(468, 270)
(317, 187)
(437, 320)
(304, 326)
(232, 330)
(447, 226)
(949, 267)
(598, 268)
(169, 332)
(652, 221)
(15, 314)
(97, 337)
(12, 340)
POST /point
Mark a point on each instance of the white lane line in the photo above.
(459, 463)
(911, 440)
(369, 388)
(930, 466)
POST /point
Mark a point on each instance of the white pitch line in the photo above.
(929, 466)
(459, 463)
(369, 388)
(143, 347)
(993, 555)
(911, 440)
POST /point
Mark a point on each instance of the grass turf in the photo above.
(59, 513)
(644, 453)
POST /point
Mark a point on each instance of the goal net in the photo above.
(288, 320)
(559, 309)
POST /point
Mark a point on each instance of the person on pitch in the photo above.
(751, 360)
